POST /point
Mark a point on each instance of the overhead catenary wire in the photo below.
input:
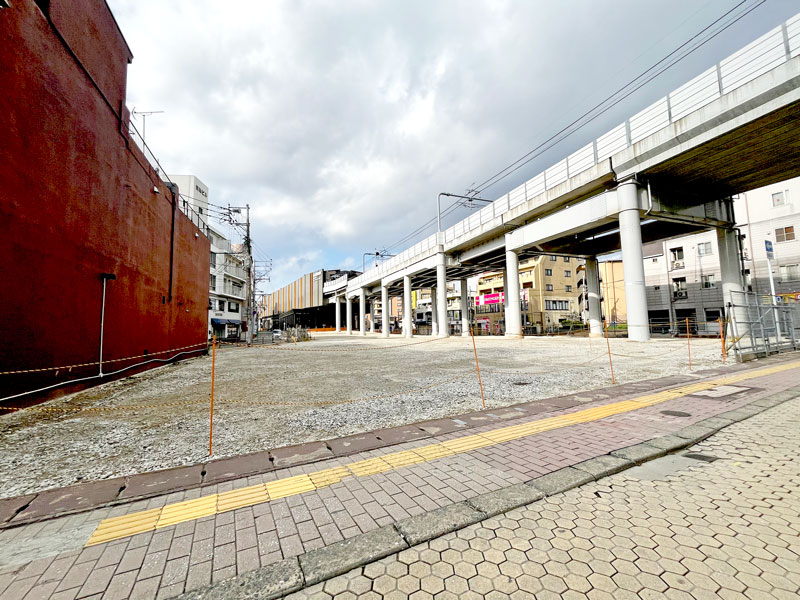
(597, 110)
(617, 96)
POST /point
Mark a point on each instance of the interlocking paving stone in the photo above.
(354, 506)
(693, 534)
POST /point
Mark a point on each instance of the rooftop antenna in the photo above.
(144, 114)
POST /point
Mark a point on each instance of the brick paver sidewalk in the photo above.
(724, 524)
(205, 535)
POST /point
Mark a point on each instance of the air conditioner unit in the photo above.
(677, 264)
(680, 294)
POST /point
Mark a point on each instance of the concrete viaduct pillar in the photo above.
(349, 313)
(434, 312)
(593, 294)
(362, 311)
(464, 309)
(630, 234)
(731, 275)
(384, 311)
(407, 306)
(337, 306)
(511, 287)
(371, 316)
(441, 299)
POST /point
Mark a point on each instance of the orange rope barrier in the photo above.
(610, 362)
(477, 366)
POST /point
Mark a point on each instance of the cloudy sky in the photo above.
(339, 122)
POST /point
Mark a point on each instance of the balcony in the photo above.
(236, 271)
(232, 290)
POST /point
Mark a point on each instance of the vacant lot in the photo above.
(278, 395)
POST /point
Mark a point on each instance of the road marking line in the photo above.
(127, 525)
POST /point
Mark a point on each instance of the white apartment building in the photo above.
(227, 287)
(683, 273)
(194, 193)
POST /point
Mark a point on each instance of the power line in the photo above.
(526, 158)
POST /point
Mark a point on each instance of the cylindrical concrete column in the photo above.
(464, 309)
(593, 295)
(349, 314)
(630, 234)
(371, 316)
(407, 332)
(731, 275)
(434, 313)
(362, 311)
(338, 314)
(441, 299)
(511, 287)
(384, 311)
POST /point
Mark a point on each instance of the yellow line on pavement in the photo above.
(139, 522)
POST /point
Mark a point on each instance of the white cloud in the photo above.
(340, 122)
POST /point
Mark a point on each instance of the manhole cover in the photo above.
(675, 413)
(522, 383)
(703, 457)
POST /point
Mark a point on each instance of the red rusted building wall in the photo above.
(77, 199)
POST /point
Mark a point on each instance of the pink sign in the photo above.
(496, 298)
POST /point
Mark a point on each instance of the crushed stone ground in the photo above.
(267, 397)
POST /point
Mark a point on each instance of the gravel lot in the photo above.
(329, 387)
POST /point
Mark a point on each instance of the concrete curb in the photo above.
(318, 565)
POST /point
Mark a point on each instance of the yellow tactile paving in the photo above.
(179, 512)
(188, 510)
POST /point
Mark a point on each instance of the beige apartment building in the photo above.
(550, 295)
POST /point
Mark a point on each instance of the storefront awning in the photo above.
(225, 322)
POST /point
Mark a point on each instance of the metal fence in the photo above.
(761, 328)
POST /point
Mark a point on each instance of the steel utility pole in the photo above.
(250, 287)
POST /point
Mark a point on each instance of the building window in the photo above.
(656, 287)
(679, 288)
(567, 273)
(708, 281)
(213, 259)
(784, 234)
(220, 304)
(233, 307)
(704, 249)
(566, 259)
(790, 272)
(213, 282)
(210, 304)
(548, 287)
(778, 199)
(556, 304)
(548, 272)
(568, 288)
(554, 258)
(676, 254)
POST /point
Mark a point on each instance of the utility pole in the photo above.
(250, 287)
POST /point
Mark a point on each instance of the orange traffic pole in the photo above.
(477, 366)
(608, 345)
(722, 339)
(211, 424)
(689, 343)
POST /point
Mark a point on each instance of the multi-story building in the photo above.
(227, 287)
(682, 274)
(193, 193)
(550, 289)
(423, 313)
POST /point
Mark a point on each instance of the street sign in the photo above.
(770, 253)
